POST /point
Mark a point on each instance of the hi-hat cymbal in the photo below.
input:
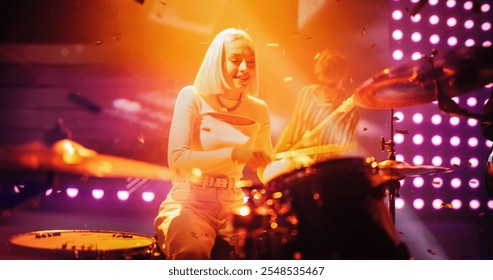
(397, 170)
(70, 157)
(458, 71)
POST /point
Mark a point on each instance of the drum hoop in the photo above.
(15, 241)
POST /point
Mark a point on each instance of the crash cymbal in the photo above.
(70, 157)
(398, 170)
(459, 71)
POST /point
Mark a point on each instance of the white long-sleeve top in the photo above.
(202, 137)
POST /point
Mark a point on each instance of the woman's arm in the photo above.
(264, 139)
(180, 154)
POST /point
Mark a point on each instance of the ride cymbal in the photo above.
(458, 71)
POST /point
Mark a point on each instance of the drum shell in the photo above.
(341, 213)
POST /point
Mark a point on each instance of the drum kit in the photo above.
(348, 192)
(328, 210)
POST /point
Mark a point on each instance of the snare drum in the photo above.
(340, 212)
(81, 244)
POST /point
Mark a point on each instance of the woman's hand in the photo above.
(252, 158)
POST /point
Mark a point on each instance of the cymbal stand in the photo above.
(393, 186)
(445, 102)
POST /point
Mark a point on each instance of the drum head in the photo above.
(332, 172)
(80, 244)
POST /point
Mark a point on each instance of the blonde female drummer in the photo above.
(218, 128)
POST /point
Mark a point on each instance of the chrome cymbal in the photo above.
(398, 170)
(70, 157)
(458, 71)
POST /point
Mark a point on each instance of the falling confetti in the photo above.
(447, 205)
(431, 252)
(402, 131)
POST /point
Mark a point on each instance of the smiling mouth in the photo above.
(243, 79)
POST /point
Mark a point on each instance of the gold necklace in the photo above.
(224, 108)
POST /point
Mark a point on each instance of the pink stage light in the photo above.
(72, 192)
(97, 193)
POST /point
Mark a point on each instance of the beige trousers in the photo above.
(192, 216)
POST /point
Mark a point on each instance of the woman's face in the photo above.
(240, 62)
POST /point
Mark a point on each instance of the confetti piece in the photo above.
(447, 205)
(431, 252)
(402, 131)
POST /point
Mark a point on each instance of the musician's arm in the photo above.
(290, 134)
(487, 122)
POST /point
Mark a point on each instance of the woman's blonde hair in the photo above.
(212, 77)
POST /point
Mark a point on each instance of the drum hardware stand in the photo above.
(393, 185)
(445, 102)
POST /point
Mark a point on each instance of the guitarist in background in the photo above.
(340, 215)
(487, 131)
(324, 113)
